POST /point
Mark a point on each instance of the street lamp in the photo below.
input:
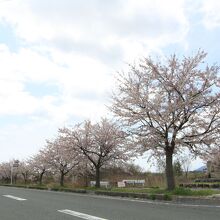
(15, 163)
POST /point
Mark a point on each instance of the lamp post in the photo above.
(15, 163)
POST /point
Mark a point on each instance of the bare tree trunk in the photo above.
(25, 178)
(186, 174)
(86, 180)
(41, 178)
(169, 170)
(62, 178)
(15, 179)
(97, 184)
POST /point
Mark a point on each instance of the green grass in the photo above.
(152, 191)
(189, 192)
(129, 190)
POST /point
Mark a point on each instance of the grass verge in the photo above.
(146, 193)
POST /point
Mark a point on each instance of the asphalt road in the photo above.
(26, 204)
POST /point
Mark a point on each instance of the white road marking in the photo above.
(14, 197)
(80, 215)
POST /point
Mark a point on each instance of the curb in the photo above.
(136, 195)
(209, 200)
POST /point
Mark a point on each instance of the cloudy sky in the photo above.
(58, 58)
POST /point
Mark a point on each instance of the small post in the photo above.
(15, 163)
(11, 174)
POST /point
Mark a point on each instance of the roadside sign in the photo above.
(121, 184)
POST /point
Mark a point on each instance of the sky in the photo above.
(59, 58)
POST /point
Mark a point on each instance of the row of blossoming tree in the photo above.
(161, 107)
(79, 149)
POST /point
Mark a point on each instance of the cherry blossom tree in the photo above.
(60, 158)
(171, 105)
(5, 171)
(24, 169)
(39, 165)
(101, 143)
(8, 172)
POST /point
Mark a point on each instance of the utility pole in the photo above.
(15, 163)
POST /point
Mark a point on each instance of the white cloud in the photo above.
(76, 46)
(210, 10)
(98, 27)
(76, 84)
